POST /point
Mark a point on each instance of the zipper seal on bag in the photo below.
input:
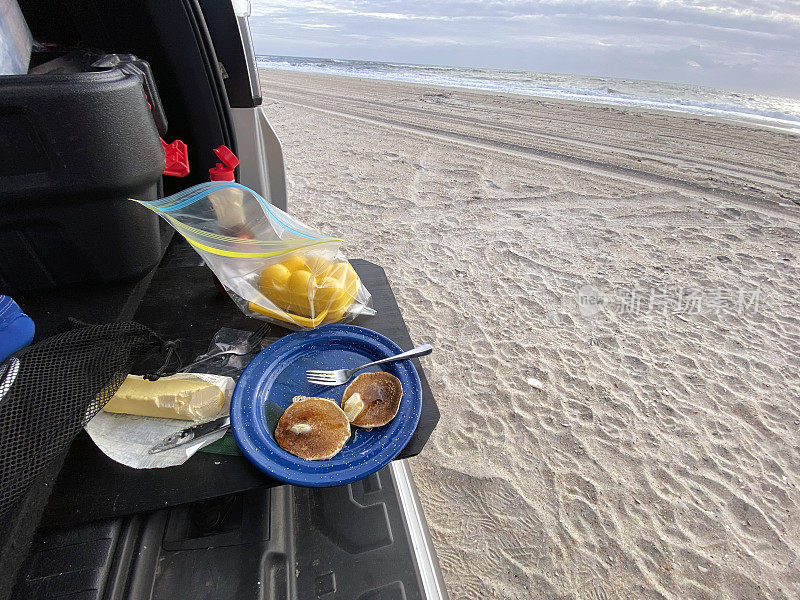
(202, 190)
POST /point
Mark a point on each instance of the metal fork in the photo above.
(252, 342)
(341, 376)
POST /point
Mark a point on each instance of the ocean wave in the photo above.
(768, 111)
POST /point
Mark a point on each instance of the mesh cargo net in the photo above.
(59, 385)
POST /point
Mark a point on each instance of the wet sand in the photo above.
(613, 298)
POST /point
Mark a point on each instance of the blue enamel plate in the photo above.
(278, 373)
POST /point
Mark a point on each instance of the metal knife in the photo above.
(184, 436)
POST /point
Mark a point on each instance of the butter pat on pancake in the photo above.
(353, 406)
(380, 394)
(312, 428)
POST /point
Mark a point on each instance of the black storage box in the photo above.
(76, 146)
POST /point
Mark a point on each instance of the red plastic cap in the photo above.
(226, 156)
(177, 155)
(223, 171)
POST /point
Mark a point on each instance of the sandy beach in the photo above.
(613, 299)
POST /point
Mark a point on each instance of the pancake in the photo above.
(380, 392)
(312, 428)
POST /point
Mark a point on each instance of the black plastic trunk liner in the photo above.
(281, 543)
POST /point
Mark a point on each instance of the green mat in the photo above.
(225, 445)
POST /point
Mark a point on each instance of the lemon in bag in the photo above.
(309, 288)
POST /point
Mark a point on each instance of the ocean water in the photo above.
(768, 111)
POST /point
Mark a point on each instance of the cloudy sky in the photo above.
(751, 45)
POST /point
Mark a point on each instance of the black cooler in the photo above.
(78, 141)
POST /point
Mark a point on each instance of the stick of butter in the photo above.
(188, 399)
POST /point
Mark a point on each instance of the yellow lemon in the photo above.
(350, 283)
(317, 264)
(327, 291)
(337, 271)
(298, 283)
(274, 276)
(335, 315)
(294, 263)
(302, 308)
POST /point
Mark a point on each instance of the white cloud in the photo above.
(738, 43)
(316, 26)
(459, 10)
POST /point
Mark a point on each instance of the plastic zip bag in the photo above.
(274, 267)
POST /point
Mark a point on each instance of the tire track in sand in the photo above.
(554, 158)
(740, 170)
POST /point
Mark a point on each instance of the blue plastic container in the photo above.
(16, 328)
